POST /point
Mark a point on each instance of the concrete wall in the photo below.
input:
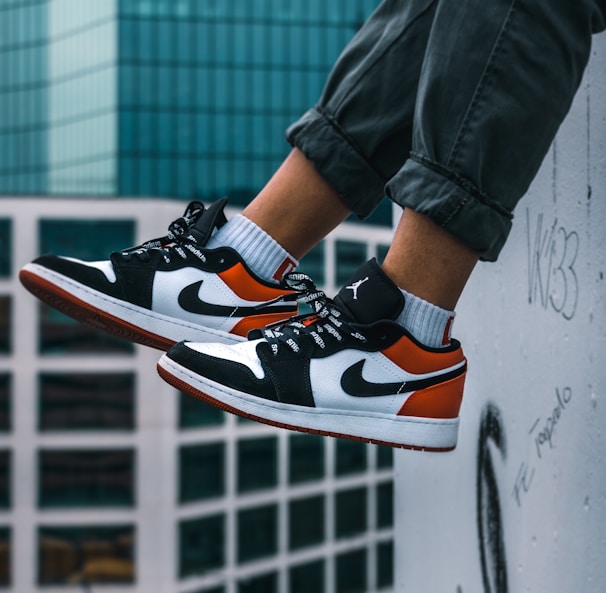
(520, 505)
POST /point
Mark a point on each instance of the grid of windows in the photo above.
(253, 506)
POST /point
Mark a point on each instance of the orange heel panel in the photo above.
(406, 354)
(440, 401)
(246, 287)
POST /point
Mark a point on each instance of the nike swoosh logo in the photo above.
(190, 301)
(353, 383)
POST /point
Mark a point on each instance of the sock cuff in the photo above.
(428, 323)
(263, 254)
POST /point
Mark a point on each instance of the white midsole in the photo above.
(161, 325)
(408, 431)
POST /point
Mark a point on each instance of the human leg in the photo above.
(348, 369)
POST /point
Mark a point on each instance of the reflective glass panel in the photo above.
(306, 522)
(384, 456)
(5, 478)
(257, 463)
(265, 583)
(351, 457)
(306, 458)
(307, 578)
(194, 413)
(201, 545)
(384, 565)
(86, 401)
(350, 512)
(6, 240)
(86, 555)
(385, 504)
(350, 256)
(5, 324)
(5, 402)
(312, 264)
(257, 532)
(201, 471)
(99, 478)
(5, 556)
(351, 572)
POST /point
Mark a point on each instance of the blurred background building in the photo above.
(114, 114)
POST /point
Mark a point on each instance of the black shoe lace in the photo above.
(326, 322)
(176, 240)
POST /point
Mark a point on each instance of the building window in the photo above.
(201, 545)
(257, 532)
(382, 252)
(5, 402)
(5, 479)
(265, 583)
(307, 578)
(99, 478)
(350, 572)
(351, 457)
(384, 565)
(306, 522)
(257, 464)
(5, 557)
(350, 512)
(195, 413)
(306, 458)
(5, 324)
(88, 240)
(313, 264)
(86, 555)
(86, 401)
(385, 504)
(350, 256)
(6, 251)
(384, 457)
(201, 471)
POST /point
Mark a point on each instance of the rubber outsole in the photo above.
(73, 306)
(179, 383)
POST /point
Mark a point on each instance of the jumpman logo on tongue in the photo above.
(355, 287)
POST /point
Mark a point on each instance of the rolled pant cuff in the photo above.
(452, 202)
(337, 160)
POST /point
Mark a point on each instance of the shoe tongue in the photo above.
(370, 295)
(212, 217)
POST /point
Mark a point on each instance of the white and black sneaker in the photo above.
(166, 290)
(345, 370)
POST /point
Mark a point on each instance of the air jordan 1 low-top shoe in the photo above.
(166, 290)
(345, 370)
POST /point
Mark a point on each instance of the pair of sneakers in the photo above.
(344, 369)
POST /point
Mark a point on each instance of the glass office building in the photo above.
(108, 477)
(174, 98)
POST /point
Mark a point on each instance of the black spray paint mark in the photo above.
(489, 516)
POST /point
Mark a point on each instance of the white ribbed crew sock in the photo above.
(262, 254)
(428, 323)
